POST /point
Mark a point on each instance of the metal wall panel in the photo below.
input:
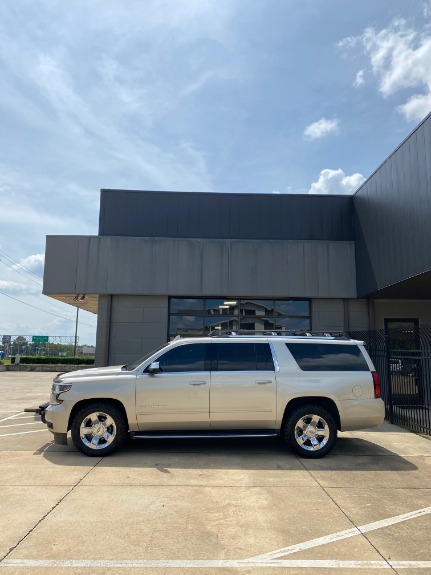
(167, 266)
(233, 216)
(392, 216)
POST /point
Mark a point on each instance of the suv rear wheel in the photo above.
(310, 431)
(98, 429)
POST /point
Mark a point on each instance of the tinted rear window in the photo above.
(328, 357)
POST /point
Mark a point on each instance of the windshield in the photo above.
(138, 362)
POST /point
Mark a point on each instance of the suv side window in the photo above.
(243, 357)
(328, 357)
(189, 357)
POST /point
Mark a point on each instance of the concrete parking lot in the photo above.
(199, 506)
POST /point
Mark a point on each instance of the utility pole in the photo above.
(76, 332)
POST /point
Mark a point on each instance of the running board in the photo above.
(202, 434)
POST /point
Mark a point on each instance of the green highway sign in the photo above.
(39, 339)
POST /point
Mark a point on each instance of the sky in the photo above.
(260, 96)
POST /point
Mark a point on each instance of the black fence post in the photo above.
(389, 378)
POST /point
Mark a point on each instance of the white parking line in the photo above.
(267, 560)
(341, 535)
(21, 432)
(18, 424)
(202, 564)
(12, 416)
(23, 417)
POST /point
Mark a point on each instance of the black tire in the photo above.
(301, 434)
(109, 437)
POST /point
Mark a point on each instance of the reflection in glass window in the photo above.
(293, 323)
(292, 307)
(183, 305)
(198, 316)
(257, 307)
(185, 358)
(257, 323)
(186, 325)
(328, 357)
(225, 323)
(222, 306)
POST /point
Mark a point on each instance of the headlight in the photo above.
(56, 390)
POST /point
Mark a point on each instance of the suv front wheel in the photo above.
(310, 431)
(98, 429)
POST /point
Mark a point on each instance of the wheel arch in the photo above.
(106, 400)
(325, 402)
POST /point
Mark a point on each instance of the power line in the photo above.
(39, 294)
(26, 277)
(4, 254)
(45, 311)
(16, 271)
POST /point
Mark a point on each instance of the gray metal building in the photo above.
(169, 263)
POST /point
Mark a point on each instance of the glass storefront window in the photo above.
(185, 325)
(257, 307)
(221, 306)
(190, 317)
(194, 306)
(257, 323)
(292, 308)
(295, 323)
(226, 323)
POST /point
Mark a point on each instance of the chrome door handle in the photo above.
(197, 382)
(263, 381)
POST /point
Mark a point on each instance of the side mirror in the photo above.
(154, 367)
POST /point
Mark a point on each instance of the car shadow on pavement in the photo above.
(353, 454)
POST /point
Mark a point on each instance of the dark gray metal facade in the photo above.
(392, 220)
(198, 267)
(232, 216)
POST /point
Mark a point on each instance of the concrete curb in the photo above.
(43, 367)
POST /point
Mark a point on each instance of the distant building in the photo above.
(88, 349)
(170, 263)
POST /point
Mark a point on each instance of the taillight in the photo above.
(376, 382)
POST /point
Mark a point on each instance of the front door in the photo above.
(243, 386)
(178, 396)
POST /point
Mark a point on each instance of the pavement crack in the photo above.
(30, 531)
(346, 516)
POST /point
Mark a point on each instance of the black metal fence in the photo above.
(402, 358)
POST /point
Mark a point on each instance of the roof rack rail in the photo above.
(279, 332)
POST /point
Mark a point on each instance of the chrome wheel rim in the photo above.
(97, 430)
(312, 432)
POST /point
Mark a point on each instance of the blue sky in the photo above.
(218, 96)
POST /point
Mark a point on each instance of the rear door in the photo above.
(243, 386)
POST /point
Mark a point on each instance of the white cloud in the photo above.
(359, 80)
(34, 261)
(349, 42)
(416, 107)
(321, 129)
(11, 286)
(400, 59)
(336, 182)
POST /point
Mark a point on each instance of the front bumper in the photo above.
(57, 417)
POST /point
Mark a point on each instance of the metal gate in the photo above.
(401, 354)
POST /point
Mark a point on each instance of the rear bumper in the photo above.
(362, 414)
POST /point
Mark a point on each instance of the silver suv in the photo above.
(302, 388)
